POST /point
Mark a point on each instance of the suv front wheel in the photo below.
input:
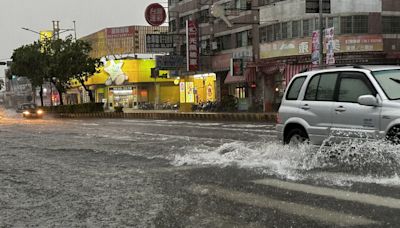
(393, 135)
(296, 136)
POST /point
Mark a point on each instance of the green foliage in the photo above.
(229, 103)
(78, 108)
(57, 61)
(119, 109)
(30, 61)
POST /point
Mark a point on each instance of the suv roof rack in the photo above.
(355, 66)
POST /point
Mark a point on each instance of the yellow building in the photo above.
(128, 83)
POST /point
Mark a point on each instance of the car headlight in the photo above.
(26, 112)
(40, 112)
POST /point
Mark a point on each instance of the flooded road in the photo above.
(158, 173)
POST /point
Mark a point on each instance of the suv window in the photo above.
(353, 85)
(294, 90)
(321, 87)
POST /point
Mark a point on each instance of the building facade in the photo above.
(274, 40)
(121, 41)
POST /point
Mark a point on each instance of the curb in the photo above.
(235, 117)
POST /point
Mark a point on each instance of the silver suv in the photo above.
(342, 102)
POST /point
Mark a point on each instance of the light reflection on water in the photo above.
(340, 163)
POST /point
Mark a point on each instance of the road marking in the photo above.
(391, 181)
(335, 193)
(314, 213)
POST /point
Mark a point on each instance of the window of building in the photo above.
(182, 21)
(391, 24)
(240, 92)
(204, 16)
(286, 30)
(360, 24)
(270, 33)
(243, 4)
(205, 47)
(172, 25)
(242, 39)
(308, 27)
(334, 22)
(277, 32)
(346, 24)
(296, 29)
(263, 34)
(223, 42)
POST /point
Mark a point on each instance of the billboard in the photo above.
(169, 62)
(120, 32)
(344, 43)
(312, 6)
(159, 43)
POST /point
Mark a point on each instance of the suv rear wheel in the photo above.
(296, 136)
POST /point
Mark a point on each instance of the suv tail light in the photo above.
(278, 119)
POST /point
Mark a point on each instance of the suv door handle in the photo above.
(305, 107)
(340, 109)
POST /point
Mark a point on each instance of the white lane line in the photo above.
(313, 213)
(391, 181)
(335, 193)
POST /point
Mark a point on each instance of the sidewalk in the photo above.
(176, 115)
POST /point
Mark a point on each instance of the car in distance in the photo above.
(30, 111)
(341, 103)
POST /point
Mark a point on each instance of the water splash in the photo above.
(367, 161)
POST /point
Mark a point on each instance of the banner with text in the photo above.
(192, 47)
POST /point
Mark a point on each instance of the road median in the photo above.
(206, 116)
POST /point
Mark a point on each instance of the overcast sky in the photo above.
(90, 16)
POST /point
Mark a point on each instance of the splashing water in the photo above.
(370, 161)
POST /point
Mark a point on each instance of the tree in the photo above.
(71, 60)
(56, 61)
(31, 61)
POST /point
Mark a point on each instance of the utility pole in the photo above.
(74, 29)
(56, 30)
(321, 34)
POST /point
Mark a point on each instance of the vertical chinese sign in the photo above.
(330, 46)
(189, 92)
(182, 92)
(315, 48)
(192, 51)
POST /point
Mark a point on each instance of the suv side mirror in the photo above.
(368, 100)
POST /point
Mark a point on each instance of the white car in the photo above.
(342, 102)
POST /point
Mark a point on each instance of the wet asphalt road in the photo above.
(147, 173)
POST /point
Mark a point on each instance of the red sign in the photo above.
(192, 46)
(155, 14)
(120, 32)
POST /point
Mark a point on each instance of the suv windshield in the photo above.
(389, 80)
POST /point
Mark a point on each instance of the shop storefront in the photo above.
(128, 84)
(281, 60)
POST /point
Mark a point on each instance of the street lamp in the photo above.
(56, 30)
(30, 30)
